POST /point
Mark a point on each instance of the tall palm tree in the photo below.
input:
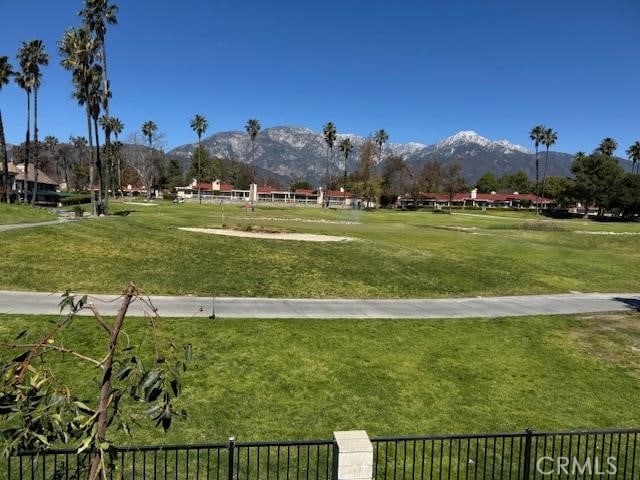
(536, 135)
(24, 79)
(346, 147)
(96, 15)
(633, 153)
(50, 143)
(6, 71)
(37, 57)
(199, 125)
(607, 146)
(253, 128)
(78, 50)
(116, 127)
(550, 137)
(149, 129)
(329, 133)
(380, 137)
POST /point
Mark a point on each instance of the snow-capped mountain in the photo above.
(299, 153)
(468, 139)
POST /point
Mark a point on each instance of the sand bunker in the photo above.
(302, 237)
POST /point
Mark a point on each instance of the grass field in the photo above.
(23, 214)
(395, 254)
(296, 379)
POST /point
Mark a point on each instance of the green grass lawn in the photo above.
(297, 379)
(395, 254)
(17, 213)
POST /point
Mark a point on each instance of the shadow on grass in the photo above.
(631, 303)
(124, 213)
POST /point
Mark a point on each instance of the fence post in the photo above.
(527, 454)
(232, 447)
(353, 456)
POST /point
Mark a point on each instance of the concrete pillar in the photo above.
(355, 455)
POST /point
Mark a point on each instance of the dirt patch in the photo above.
(301, 237)
(612, 338)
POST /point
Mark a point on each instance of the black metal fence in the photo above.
(610, 454)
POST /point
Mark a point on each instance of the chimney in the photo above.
(474, 193)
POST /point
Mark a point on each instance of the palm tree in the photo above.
(24, 79)
(633, 153)
(96, 15)
(607, 146)
(37, 57)
(116, 127)
(380, 138)
(253, 128)
(548, 138)
(149, 129)
(330, 134)
(6, 71)
(78, 50)
(536, 135)
(346, 146)
(51, 143)
(199, 125)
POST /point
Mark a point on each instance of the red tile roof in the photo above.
(482, 197)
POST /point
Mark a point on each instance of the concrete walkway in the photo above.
(16, 226)
(489, 307)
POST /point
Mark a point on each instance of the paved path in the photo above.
(15, 226)
(186, 306)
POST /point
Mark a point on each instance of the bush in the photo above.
(78, 211)
(75, 199)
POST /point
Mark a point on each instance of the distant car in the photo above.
(178, 200)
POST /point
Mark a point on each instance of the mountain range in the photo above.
(298, 153)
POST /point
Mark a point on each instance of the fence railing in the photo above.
(518, 456)
(527, 455)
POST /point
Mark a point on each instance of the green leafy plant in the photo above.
(38, 410)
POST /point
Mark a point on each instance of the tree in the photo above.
(560, 189)
(487, 183)
(536, 135)
(96, 15)
(548, 138)
(145, 161)
(633, 154)
(329, 133)
(78, 51)
(116, 127)
(24, 79)
(346, 147)
(300, 185)
(597, 176)
(199, 125)
(380, 138)
(6, 72)
(51, 143)
(453, 181)
(627, 197)
(253, 128)
(32, 56)
(38, 410)
(515, 182)
(366, 183)
(607, 146)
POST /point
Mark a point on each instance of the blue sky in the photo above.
(422, 70)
